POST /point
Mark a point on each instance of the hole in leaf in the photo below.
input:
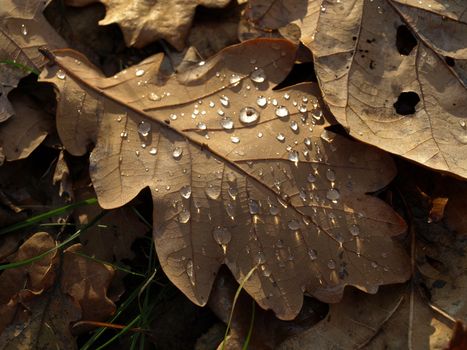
(450, 61)
(406, 103)
(405, 41)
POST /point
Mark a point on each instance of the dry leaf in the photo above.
(145, 22)
(393, 73)
(21, 134)
(23, 29)
(41, 301)
(380, 321)
(240, 174)
(459, 337)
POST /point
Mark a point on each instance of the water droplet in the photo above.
(317, 114)
(177, 152)
(153, 151)
(260, 258)
(293, 225)
(253, 206)
(280, 137)
(24, 30)
(286, 96)
(327, 136)
(333, 195)
(201, 63)
(354, 230)
(227, 123)
(260, 135)
(61, 74)
(124, 134)
(294, 125)
(137, 153)
(462, 124)
(221, 235)
(274, 102)
(190, 271)
(154, 97)
(235, 79)
(258, 75)
(330, 175)
(213, 192)
(185, 191)
(266, 270)
(331, 264)
(282, 112)
(273, 210)
(224, 101)
(184, 216)
(201, 126)
(261, 101)
(144, 128)
(311, 178)
(248, 115)
(293, 157)
(312, 254)
(233, 192)
(173, 116)
(230, 209)
(139, 72)
(303, 109)
(235, 139)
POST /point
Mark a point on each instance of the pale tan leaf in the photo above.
(144, 22)
(235, 182)
(23, 29)
(375, 64)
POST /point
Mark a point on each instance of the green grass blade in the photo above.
(237, 293)
(59, 246)
(35, 219)
(115, 266)
(20, 66)
(250, 330)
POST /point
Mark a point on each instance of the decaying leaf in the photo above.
(39, 301)
(23, 29)
(240, 174)
(393, 73)
(145, 22)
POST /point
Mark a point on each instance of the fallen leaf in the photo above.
(23, 29)
(240, 174)
(21, 134)
(394, 74)
(437, 209)
(145, 22)
(386, 320)
(39, 301)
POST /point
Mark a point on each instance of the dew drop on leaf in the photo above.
(173, 116)
(144, 128)
(153, 151)
(227, 123)
(327, 136)
(224, 101)
(139, 72)
(294, 125)
(330, 175)
(234, 79)
(61, 74)
(154, 97)
(248, 115)
(190, 271)
(185, 191)
(312, 254)
(331, 264)
(221, 235)
(258, 75)
(293, 157)
(213, 192)
(282, 112)
(311, 178)
(177, 152)
(24, 30)
(261, 101)
(354, 230)
(235, 139)
(333, 195)
(273, 210)
(293, 225)
(184, 216)
(307, 141)
(253, 206)
(280, 137)
(201, 126)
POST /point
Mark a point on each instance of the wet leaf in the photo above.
(240, 174)
(394, 74)
(23, 29)
(145, 22)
